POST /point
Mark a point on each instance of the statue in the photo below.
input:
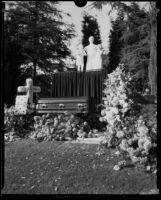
(99, 57)
(80, 57)
(94, 59)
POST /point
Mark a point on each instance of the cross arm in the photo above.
(22, 89)
(36, 89)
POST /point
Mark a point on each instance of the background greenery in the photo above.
(36, 38)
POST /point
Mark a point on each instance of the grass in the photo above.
(68, 168)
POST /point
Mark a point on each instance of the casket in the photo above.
(60, 105)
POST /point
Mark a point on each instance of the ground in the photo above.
(69, 168)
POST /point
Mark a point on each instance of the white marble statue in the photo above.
(93, 53)
(99, 57)
(80, 57)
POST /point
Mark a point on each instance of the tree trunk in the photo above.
(153, 50)
(35, 43)
(35, 39)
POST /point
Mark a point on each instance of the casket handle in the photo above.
(61, 106)
(80, 106)
(44, 105)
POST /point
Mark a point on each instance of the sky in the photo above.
(76, 17)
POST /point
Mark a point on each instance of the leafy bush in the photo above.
(15, 124)
(129, 127)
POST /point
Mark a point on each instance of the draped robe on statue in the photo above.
(99, 58)
(94, 60)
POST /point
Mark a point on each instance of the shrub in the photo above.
(15, 123)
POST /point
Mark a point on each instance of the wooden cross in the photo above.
(29, 89)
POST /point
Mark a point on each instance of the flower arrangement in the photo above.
(14, 124)
(60, 127)
(116, 103)
(128, 128)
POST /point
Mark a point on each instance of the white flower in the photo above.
(124, 144)
(141, 142)
(117, 117)
(120, 134)
(143, 160)
(124, 110)
(103, 112)
(115, 111)
(125, 105)
(143, 131)
(148, 168)
(123, 96)
(134, 159)
(101, 119)
(121, 101)
(122, 163)
(116, 167)
(147, 145)
(130, 141)
(111, 122)
(115, 98)
(117, 153)
(121, 87)
(115, 103)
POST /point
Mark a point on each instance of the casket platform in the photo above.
(62, 104)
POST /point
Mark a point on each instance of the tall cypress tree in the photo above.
(152, 19)
(153, 48)
(136, 51)
(90, 27)
(115, 43)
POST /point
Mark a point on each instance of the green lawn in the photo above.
(69, 168)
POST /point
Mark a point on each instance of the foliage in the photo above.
(115, 43)
(140, 33)
(133, 133)
(36, 37)
(16, 125)
(153, 48)
(105, 60)
(90, 28)
(136, 49)
(13, 58)
(45, 83)
(129, 43)
(41, 31)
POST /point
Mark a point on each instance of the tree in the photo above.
(115, 43)
(13, 58)
(33, 34)
(135, 52)
(90, 28)
(152, 69)
(43, 34)
(153, 49)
